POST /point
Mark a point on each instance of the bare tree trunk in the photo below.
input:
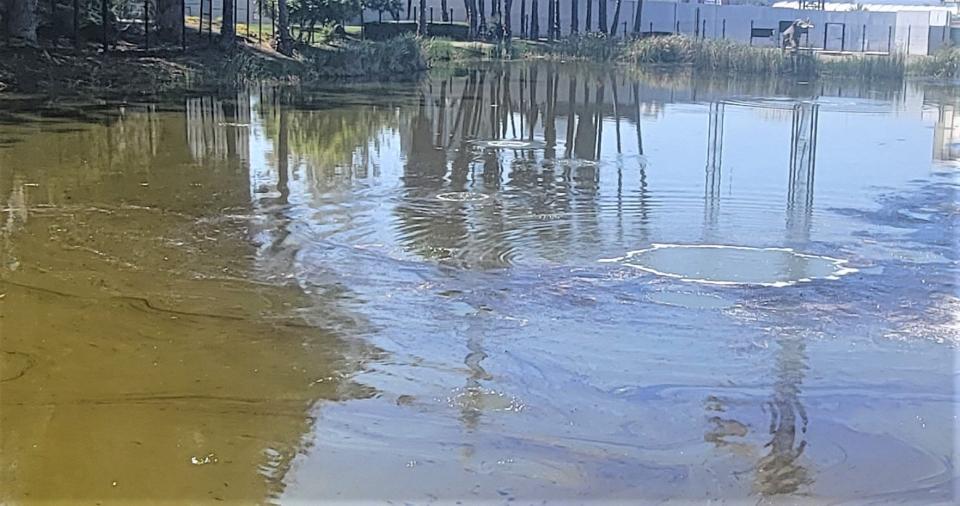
(227, 26)
(508, 20)
(638, 19)
(574, 16)
(589, 16)
(602, 16)
(551, 19)
(169, 20)
(524, 32)
(471, 6)
(616, 19)
(422, 21)
(556, 18)
(284, 44)
(483, 18)
(446, 11)
(535, 19)
(21, 20)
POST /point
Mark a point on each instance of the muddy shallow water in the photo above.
(521, 282)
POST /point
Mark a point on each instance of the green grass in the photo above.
(723, 56)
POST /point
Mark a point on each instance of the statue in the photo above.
(791, 36)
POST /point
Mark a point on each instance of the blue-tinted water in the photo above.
(396, 292)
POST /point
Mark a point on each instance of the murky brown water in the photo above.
(397, 292)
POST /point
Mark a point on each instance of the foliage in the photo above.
(943, 64)
(392, 7)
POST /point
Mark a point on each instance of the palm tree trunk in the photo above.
(616, 19)
(284, 44)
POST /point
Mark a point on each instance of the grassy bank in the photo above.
(707, 55)
(66, 71)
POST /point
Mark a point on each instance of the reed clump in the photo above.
(944, 64)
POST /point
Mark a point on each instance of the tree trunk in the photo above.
(535, 19)
(470, 7)
(227, 26)
(574, 17)
(21, 20)
(616, 19)
(551, 19)
(508, 20)
(446, 11)
(602, 16)
(589, 16)
(284, 44)
(483, 18)
(169, 20)
(422, 20)
(638, 19)
(523, 19)
(556, 18)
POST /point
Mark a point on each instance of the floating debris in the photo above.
(209, 458)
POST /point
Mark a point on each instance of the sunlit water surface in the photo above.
(523, 282)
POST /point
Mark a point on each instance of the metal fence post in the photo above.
(146, 25)
(106, 25)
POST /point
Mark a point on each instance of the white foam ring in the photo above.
(509, 144)
(462, 197)
(840, 264)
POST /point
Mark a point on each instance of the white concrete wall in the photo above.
(865, 30)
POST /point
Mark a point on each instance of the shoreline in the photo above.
(66, 71)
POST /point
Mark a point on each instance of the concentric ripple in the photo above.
(718, 264)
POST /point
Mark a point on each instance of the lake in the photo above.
(515, 282)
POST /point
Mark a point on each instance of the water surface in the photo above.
(397, 292)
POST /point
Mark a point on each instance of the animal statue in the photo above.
(791, 36)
